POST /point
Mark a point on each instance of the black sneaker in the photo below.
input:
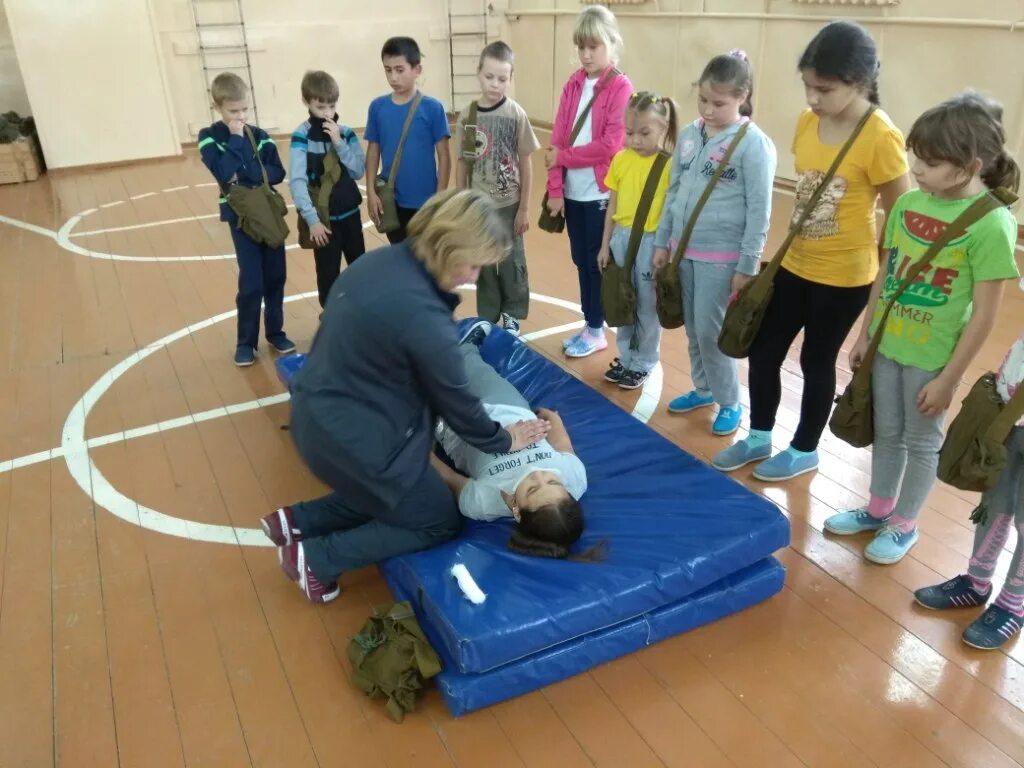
(477, 333)
(633, 379)
(509, 323)
(615, 372)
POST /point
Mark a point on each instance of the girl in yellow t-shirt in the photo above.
(826, 275)
(651, 127)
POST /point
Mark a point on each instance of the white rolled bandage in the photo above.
(466, 583)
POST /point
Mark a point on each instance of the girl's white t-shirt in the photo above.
(491, 473)
(581, 183)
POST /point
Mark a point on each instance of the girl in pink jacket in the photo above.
(576, 169)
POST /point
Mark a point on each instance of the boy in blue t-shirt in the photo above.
(230, 156)
(419, 176)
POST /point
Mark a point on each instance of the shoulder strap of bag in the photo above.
(256, 151)
(401, 141)
(684, 239)
(643, 209)
(590, 105)
(469, 143)
(812, 203)
(978, 209)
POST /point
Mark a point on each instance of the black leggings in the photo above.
(825, 314)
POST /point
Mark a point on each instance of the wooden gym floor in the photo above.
(153, 646)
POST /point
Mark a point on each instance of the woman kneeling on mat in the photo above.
(385, 362)
(539, 485)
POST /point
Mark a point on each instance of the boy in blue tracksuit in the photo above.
(311, 146)
(228, 153)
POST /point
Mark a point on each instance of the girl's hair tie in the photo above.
(739, 53)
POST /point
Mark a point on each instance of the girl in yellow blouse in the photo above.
(826, 275)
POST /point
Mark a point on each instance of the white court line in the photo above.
(29, 227)
(149, 429)
(175, 189)
(143, 195)
(113, 204)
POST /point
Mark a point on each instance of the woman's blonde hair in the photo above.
(455, 228)
(598, 25)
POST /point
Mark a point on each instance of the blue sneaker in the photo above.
(586, 345)
(741, 453)
(992, 629)
(244, 356)
(854, 521)
(282, 344)
(566, 343)
(691, 401)
(785, 466)
(890, 545)
(727, 421)
(955, 593)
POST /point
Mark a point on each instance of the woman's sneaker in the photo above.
(509, 323)
(280, 527)
(958, 592)
(993, 628)
(616, 370)
(633, 379)
(293, 562)
(244, 355)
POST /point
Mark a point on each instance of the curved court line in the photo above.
(75, 447)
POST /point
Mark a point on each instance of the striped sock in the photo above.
(981, 586)
(880, 507)
(1014, 603)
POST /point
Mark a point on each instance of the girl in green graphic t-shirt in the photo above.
(938, 324)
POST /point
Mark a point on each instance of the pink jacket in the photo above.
(609, 131)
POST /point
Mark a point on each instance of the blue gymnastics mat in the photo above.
(672, 524)
(464, 692)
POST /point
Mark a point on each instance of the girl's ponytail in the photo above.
(1002, 172)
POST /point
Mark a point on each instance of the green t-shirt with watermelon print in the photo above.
(927, 319)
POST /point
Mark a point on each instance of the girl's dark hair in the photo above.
(844, 51)
(732, 70)
(550, 530)
(664, 107)
(963, 129)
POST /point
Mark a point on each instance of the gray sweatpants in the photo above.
(906, 447)
(487, 384)
(706, 289)
(639, 344)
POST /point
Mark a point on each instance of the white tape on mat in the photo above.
(468, 586)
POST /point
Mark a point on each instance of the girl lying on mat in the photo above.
(539, 486)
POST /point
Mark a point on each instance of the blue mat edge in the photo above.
(467, 692)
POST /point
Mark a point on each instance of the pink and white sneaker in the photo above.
(280, 527)
(586, 344)
(293, 562)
